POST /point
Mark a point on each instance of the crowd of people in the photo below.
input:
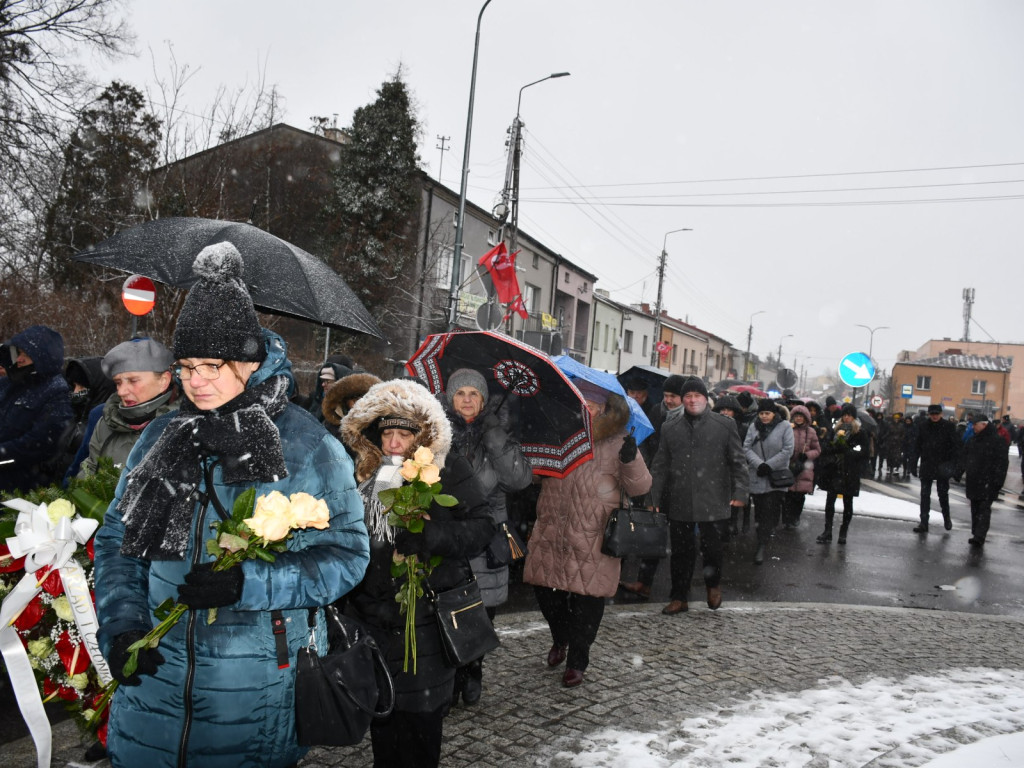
(197, 423)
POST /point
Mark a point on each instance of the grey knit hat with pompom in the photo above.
(218, 320)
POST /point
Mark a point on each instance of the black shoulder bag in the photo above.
(635, 532)
(779, 478)
(338, 695)
(466, 629)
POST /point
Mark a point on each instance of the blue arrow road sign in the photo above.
(856, 370)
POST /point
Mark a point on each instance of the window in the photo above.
(607, 328)
(597, 337)
(565, 276)
(531, 296)
(675, 352)
(643, 349)
(536, 261)
(443, 267)
(978, 387)
(627, 342)
(924, 382)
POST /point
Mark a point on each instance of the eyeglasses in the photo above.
(208, 371)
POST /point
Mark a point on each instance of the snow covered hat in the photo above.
(218, 320)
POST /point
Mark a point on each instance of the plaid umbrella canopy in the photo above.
(547, 413)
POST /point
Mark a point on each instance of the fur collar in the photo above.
(399, 397)
(613, 420)
(354, 385)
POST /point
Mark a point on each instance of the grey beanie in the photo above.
(137, 355)
(465, 377)
(218, 320)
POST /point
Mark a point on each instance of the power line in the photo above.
(833, 204)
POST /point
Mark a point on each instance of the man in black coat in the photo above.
(985, 464)
(938, 448)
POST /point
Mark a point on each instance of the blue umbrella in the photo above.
(638, 425)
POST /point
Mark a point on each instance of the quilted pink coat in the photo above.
(805, 440)
(565, 546)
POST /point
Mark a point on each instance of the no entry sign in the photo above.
(138, 295)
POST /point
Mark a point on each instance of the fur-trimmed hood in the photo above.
(399, 397)
(613, 420)
(354, 385)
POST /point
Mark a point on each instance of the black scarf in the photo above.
(162, 489)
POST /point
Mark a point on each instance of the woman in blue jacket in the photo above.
(220, 694)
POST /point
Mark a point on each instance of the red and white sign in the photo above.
(138, 295)
(876, 401)
(663, 348)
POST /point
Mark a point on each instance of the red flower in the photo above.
(49, 688)
(101, 732)
(90, 549)
(53, 584)
(29, 617)
(7, 564)
(66, 650)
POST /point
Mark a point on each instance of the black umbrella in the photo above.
(653, 377)
(282, 278)
(548, 414)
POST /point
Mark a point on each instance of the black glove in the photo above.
(408, 543)
(628, 450)
(764, 470)
(206, 588)
(802, 458)
(148, 659)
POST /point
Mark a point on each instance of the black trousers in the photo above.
(830, 509)
(981, 516)
(942, 486)
(767, 511)
(793, 507)
(573, 620)
(408, 739)
(683, 536)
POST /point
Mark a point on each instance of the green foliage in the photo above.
(373, 209)
(244, 505)
(91, 495)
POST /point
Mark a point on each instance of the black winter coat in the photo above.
(841, 459)
(985, 462)
(938, 448)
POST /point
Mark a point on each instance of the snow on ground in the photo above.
(873, 504)
(951, 719)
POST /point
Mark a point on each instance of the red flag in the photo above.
(502, 269)
(517, 306)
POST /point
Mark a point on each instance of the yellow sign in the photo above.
(548, 322)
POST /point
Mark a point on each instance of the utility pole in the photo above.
(661, 284)
(444, 140)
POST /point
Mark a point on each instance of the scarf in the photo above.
(161, 490)
(386, 477)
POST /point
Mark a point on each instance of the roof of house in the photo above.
(967, 362)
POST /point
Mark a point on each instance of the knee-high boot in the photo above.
(847, 517)
(826, 535)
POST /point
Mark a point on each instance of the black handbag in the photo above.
(338, 695)
(466, 629)
(779, 478)
(635, 532)
(506, 547)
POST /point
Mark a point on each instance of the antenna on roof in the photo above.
(968, 303)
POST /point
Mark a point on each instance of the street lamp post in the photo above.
(453, 296)
(871, 347)
(778, 357)
(750, 335)
(655, 356)
(511, 193)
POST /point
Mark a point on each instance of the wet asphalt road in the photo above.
(883, 562)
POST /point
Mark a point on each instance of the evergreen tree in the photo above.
(103, 185)
(370, 218)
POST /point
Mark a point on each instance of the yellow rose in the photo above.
(58, 509)
(309, 512)
(62, 608)
(271, 518)
(423, 455)
(410, 470)
(430, 474)
(80, 681)
(41, 648)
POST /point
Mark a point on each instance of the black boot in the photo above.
(923, 526)
(759, 554)
(473, 686)
(847, 517)
(947, 521)
(826, 535)
(461, 674)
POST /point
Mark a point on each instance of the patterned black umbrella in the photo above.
(282, 278)
(547, 413)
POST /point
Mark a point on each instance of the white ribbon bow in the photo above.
(44, 544)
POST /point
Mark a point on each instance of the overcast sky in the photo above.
(807, 144)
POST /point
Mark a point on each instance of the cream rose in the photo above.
(423, 456)
(62, 608)
(309, 512)
(59, 509)
(430, 474)
(410, 470)
(270, 519)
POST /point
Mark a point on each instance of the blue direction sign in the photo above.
(856, 370)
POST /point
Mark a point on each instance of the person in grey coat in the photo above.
(699, 473)
(500, 467)
(768, 446)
